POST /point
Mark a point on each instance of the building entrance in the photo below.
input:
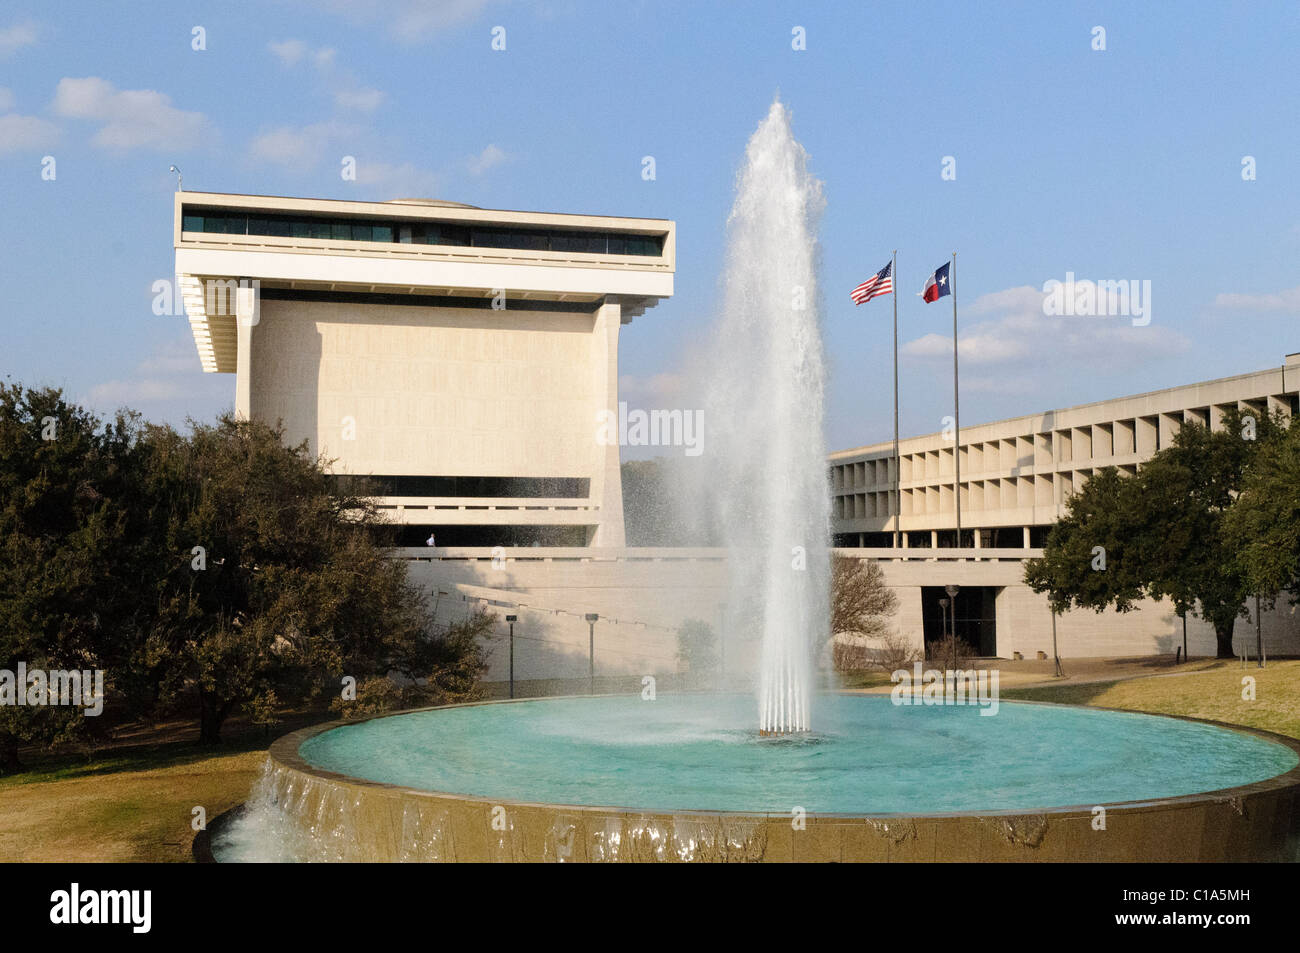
(976, 617)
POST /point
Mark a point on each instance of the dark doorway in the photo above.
(976, 617)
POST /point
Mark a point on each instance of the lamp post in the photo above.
(592, 618)
(952, 591)
(1055, 654)
(180, 179)
(1259, 634)
(512, 619)
(722, 643)
(943, 616)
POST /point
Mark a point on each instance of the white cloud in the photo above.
(489, 158)
(402, 180)
(342, 85)
(302, 147)
(363, 99)
(131, 393)
(981, 344)
(662, 391)
(15, 37)
(1018, 342)
(1286, 301)
(425, 17)
(167, 385)
(413, 20)
(306, 147)
(288, 52)
(131, 118)
(1021, 298)
(19, 133)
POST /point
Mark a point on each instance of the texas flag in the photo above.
(936, 286)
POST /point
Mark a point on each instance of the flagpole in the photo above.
(898, 463)
(956, 405)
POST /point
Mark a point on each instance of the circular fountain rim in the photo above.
(285, 752)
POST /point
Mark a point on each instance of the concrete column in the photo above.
(1026, 536)
(246, 316)
(607, 480)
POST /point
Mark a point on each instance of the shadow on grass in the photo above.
(1064, 694)
(177, 748)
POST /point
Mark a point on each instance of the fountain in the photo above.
(769, 477)
(684, 777)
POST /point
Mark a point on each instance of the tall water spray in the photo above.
(765, 406)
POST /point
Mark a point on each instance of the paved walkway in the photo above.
(1031, 673)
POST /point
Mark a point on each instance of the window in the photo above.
(509, 238)
(574, 241)
(591, 243)
(464, 486)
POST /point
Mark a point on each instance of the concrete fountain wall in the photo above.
(341, 818)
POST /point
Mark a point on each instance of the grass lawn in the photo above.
(1213, 692)
(131, 802)
(134, 803)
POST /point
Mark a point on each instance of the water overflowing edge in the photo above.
(326, 806)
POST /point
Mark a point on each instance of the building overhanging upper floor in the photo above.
(458, 358)
(406, 247)
(1017, 474)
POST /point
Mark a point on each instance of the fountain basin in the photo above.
(686, 778)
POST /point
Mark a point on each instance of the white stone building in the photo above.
(457, 356)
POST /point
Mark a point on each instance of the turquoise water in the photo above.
(700, 752)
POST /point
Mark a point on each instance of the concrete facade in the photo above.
(643, 595)
(1017, 474)
(1016, 478)
(403, 359)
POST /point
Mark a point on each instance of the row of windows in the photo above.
(463, 486)
(452, 535)
(1000, 537)
(1004, 493)
(217, 222)
(1143, 436)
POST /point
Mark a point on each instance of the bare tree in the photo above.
(862, 609)
(861, 603)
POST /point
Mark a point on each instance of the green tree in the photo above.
(456, 659)
(1264, 522)
(269, 583)
(1088, 560)
(68, 549)
(216, 565)
(1161, 533)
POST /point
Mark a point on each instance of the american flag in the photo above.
(881, 283)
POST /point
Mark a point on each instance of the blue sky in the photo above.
(1124, 163)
